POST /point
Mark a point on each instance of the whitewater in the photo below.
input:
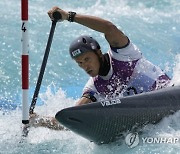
(152, 25)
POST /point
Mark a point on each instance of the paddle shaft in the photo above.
(56, 16)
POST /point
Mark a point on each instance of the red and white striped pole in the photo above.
(25, 62)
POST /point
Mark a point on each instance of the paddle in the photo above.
(57, 16)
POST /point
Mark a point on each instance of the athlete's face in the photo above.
(89, 62)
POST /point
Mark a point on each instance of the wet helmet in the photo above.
(83, 44)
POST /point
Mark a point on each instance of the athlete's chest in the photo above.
(117, 81)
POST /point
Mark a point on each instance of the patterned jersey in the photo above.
(130, 73)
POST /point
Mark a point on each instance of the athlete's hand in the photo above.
(33, 122)
(47, 122)
(33, 119)
(63, 13)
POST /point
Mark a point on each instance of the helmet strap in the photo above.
(104, 64)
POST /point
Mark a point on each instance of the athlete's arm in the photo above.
(83, 100)
(113, 35)
(48, 122)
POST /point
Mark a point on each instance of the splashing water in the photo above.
(152, 25)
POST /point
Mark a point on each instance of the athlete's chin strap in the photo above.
(104, 64)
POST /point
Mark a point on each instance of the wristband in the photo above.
(91, 97)
(71, 16)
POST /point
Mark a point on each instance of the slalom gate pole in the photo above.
(25, 61)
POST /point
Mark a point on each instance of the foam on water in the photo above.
(152, 25)
(176, 71)
(43, 140)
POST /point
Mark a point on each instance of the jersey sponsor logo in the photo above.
(110, 102)
(76, 52)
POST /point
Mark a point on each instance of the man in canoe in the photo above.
(122, 71)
